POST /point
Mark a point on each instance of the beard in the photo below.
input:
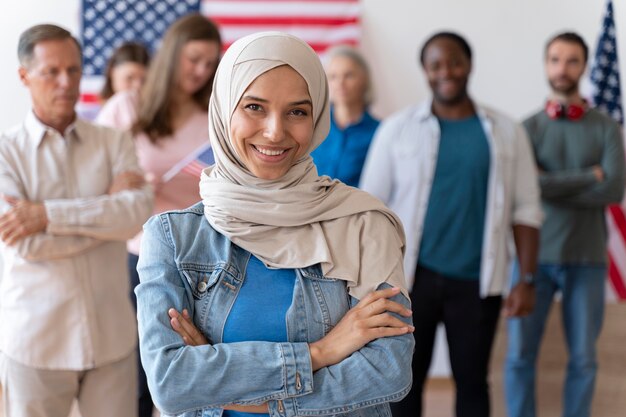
(566, 85)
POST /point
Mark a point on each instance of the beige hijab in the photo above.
(300, 219)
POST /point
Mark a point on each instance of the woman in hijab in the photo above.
(290, 285)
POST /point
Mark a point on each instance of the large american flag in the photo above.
(105, 24)
(607, 97)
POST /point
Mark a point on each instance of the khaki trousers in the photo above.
(109, 390)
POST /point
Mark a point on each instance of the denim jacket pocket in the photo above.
(201, 281)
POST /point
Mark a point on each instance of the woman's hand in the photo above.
(182, 324)
(367, 321)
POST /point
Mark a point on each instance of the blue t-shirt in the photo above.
(259, 311)
(343, 153)
(455, 219)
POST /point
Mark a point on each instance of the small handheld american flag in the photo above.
(192, 164)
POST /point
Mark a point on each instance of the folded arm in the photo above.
(60, 228)
(23, 223)
(611, 187)
(183, 378)
(556, 184)
(117, 215)
(351, 345)
(377, 373)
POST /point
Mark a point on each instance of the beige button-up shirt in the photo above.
(65, 293)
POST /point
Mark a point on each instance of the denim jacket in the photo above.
(185, 263)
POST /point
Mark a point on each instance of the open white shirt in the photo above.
(400, 168)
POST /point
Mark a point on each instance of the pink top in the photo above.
(181, 190)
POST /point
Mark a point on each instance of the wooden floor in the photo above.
(610, 398)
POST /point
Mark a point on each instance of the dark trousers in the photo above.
(470, 323)
(144, 397)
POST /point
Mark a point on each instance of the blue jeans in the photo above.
(582, 289)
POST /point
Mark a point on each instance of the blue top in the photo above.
(260, 309)
(343, 153)
(455, 219)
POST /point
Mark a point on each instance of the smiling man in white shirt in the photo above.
(72, 194)
(462, 179)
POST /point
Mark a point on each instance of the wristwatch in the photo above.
(528, 278)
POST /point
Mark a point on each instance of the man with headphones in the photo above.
(580, 156)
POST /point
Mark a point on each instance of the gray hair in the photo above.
(39, 33)
(352, 53)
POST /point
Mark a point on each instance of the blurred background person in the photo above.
(168, 122)
(342, 154)
(462, 179)
(126, 69)
(580, 155)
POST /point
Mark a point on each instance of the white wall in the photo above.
(507, 37)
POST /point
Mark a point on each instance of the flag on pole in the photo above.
(607, 97)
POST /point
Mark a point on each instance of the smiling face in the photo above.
(53, 78)
(197, 64)
(565, 65)
(272, 125)
(447, 68)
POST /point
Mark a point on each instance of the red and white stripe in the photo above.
(616, 224)
(194, 168)
(320, 23)
(89, 103)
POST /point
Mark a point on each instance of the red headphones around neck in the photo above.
(557, 110)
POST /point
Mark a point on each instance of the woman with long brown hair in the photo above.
(168, 121)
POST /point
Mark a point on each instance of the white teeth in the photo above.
(269, 152)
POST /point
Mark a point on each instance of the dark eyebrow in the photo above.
(253, 98)
(262, 100)
(302, 102)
